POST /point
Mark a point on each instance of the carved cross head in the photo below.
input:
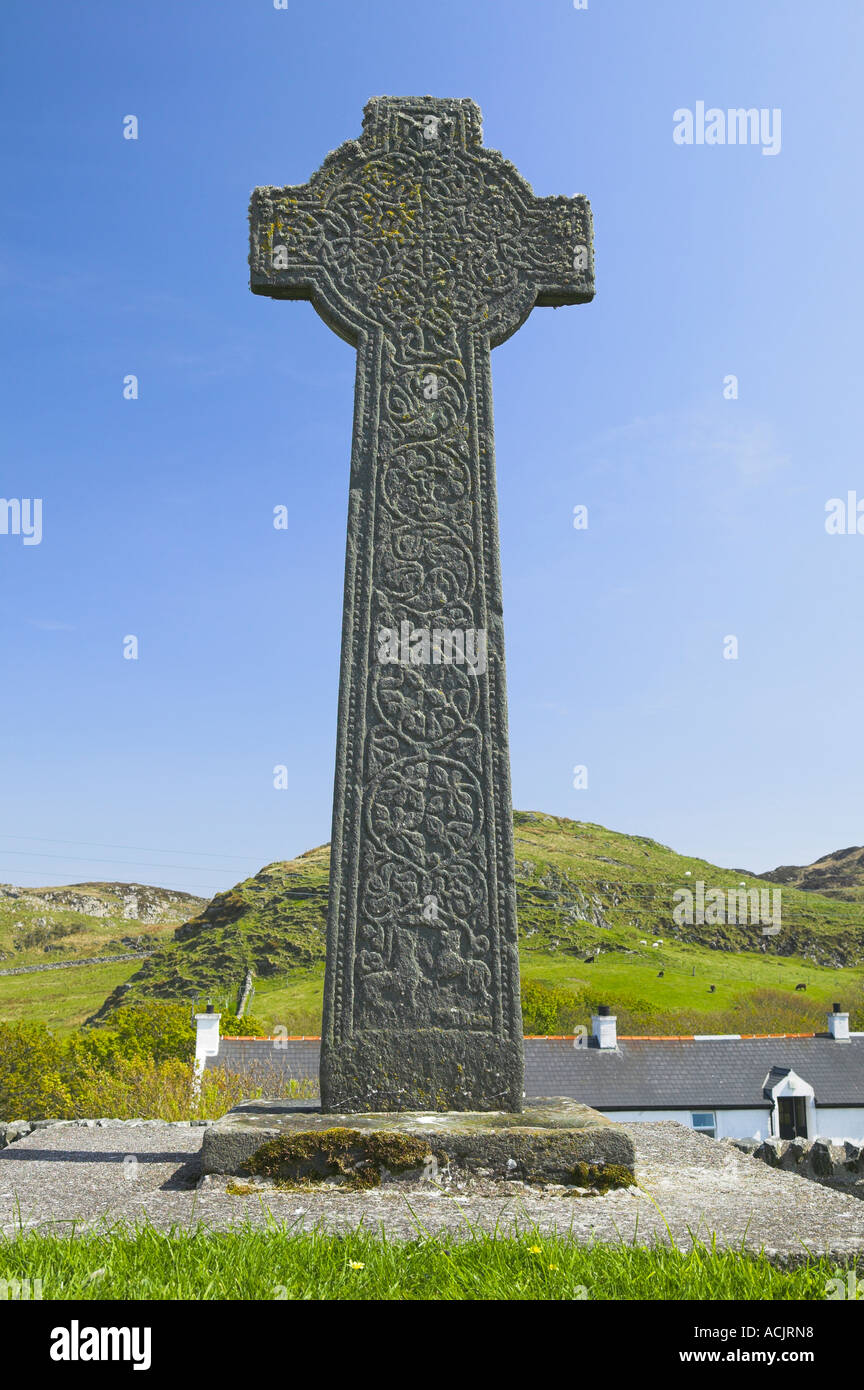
(418, 231)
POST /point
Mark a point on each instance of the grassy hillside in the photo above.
(61, 999)
(272, 924)
(592, 903)
(58, 926)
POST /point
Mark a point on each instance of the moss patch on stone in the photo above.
(603, 1176)
(349, 1158)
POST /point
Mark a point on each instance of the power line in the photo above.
(49, 880)
(33, 872)
(653, 884)
(128, 863)
(143, 849)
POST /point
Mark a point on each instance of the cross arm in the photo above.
(286, 227)
(301, 238)
(558, 250)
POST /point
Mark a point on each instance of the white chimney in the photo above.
(604, 1029)
(206, 1040)
(838, 1025)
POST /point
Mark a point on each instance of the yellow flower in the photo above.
(535, 1250)
(356, 1264)
(553, 1266)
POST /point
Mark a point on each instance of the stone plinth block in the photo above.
(555, 1140)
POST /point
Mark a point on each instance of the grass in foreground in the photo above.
(276, 1264)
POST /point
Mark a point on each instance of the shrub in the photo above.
(550, 1008)
(141, 1088)
(88, 1075)
(153, 1028)
(230, 1026)
(32, 1073)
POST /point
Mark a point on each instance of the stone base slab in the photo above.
(555, 1140)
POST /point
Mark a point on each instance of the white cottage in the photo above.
(728, 1086)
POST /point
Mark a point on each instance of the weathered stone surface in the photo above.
(770, 1152)
(691, 1189)
(16, 1129)
(853, 1158)
(543, 1143)
(424, 250)
(820, 1159)
(793, 1154)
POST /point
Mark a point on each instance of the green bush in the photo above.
(45, 1077)
(154, 1028)
(550, 1009)
(110, 1072)
(33, 1073)
(230, 1026)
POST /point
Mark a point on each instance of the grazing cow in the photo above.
(797, 987)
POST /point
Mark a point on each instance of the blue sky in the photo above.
(706, 515)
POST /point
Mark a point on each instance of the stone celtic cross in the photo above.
(423, 250)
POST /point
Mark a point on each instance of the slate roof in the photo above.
(644, 1073)
(692, 1073)
(297, 1057)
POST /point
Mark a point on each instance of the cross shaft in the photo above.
(424, 250)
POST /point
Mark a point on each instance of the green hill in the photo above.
(62, 926)
(597, 921)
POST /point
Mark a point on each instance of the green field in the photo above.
(295, 1005)
(679, 1000)
(689, 971)
(62, 999)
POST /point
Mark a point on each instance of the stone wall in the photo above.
(69, 964)
(833, 1165)
(19, 1129)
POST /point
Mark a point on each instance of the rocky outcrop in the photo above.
(836, 875)
(128, 901)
